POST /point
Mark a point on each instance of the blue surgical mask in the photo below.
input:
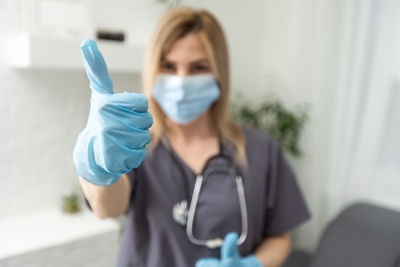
(184, 99)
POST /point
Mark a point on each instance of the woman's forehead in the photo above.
(188, 49)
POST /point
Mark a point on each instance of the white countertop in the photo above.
(42, 229)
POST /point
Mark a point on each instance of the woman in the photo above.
(186, 81)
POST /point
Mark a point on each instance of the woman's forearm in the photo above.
(107, 201)
(273, 251)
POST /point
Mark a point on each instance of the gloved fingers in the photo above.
(134, 158)
(120, 159)
(230, 247)
(124, 136)
(208, 262)
(131, 101)
(251, 261)
(94, 174)
(139, 120)
(96, 68)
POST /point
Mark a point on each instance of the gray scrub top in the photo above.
(152, 238)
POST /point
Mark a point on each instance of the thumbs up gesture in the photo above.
(230, 256)
(114, 139)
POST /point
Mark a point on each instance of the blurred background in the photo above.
(339, 58)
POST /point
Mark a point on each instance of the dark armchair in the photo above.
(363, 235)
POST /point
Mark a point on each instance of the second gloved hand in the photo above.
(230, 256)
(114, 139)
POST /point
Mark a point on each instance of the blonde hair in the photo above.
(175, 24)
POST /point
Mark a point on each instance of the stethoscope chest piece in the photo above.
(180, 212)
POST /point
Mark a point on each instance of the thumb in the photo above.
(96, 68)
(230, 248)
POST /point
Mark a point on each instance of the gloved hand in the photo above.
(113, 141)
(230, 256)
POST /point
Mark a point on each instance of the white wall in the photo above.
(300, 47)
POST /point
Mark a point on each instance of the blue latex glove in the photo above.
(230, 256)
(114, 139)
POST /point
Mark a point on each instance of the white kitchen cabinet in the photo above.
(26, 51)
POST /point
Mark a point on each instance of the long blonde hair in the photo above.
(173, 25)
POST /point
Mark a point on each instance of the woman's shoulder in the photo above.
(256, 137)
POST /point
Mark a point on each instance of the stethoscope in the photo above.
(184, 215)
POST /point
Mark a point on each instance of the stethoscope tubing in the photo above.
(216, 242)
(200, 179)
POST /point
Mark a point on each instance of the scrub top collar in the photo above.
(225, 150)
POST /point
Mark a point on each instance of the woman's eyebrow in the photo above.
(167, 61)
(203, 60)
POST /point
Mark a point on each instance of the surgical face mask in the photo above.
(184, 99)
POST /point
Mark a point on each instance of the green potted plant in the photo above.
(71, 203)
(274, 118)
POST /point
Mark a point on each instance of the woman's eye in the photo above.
(168, 67)
(199, 68)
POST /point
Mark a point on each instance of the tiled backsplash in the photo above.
(41, 114)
